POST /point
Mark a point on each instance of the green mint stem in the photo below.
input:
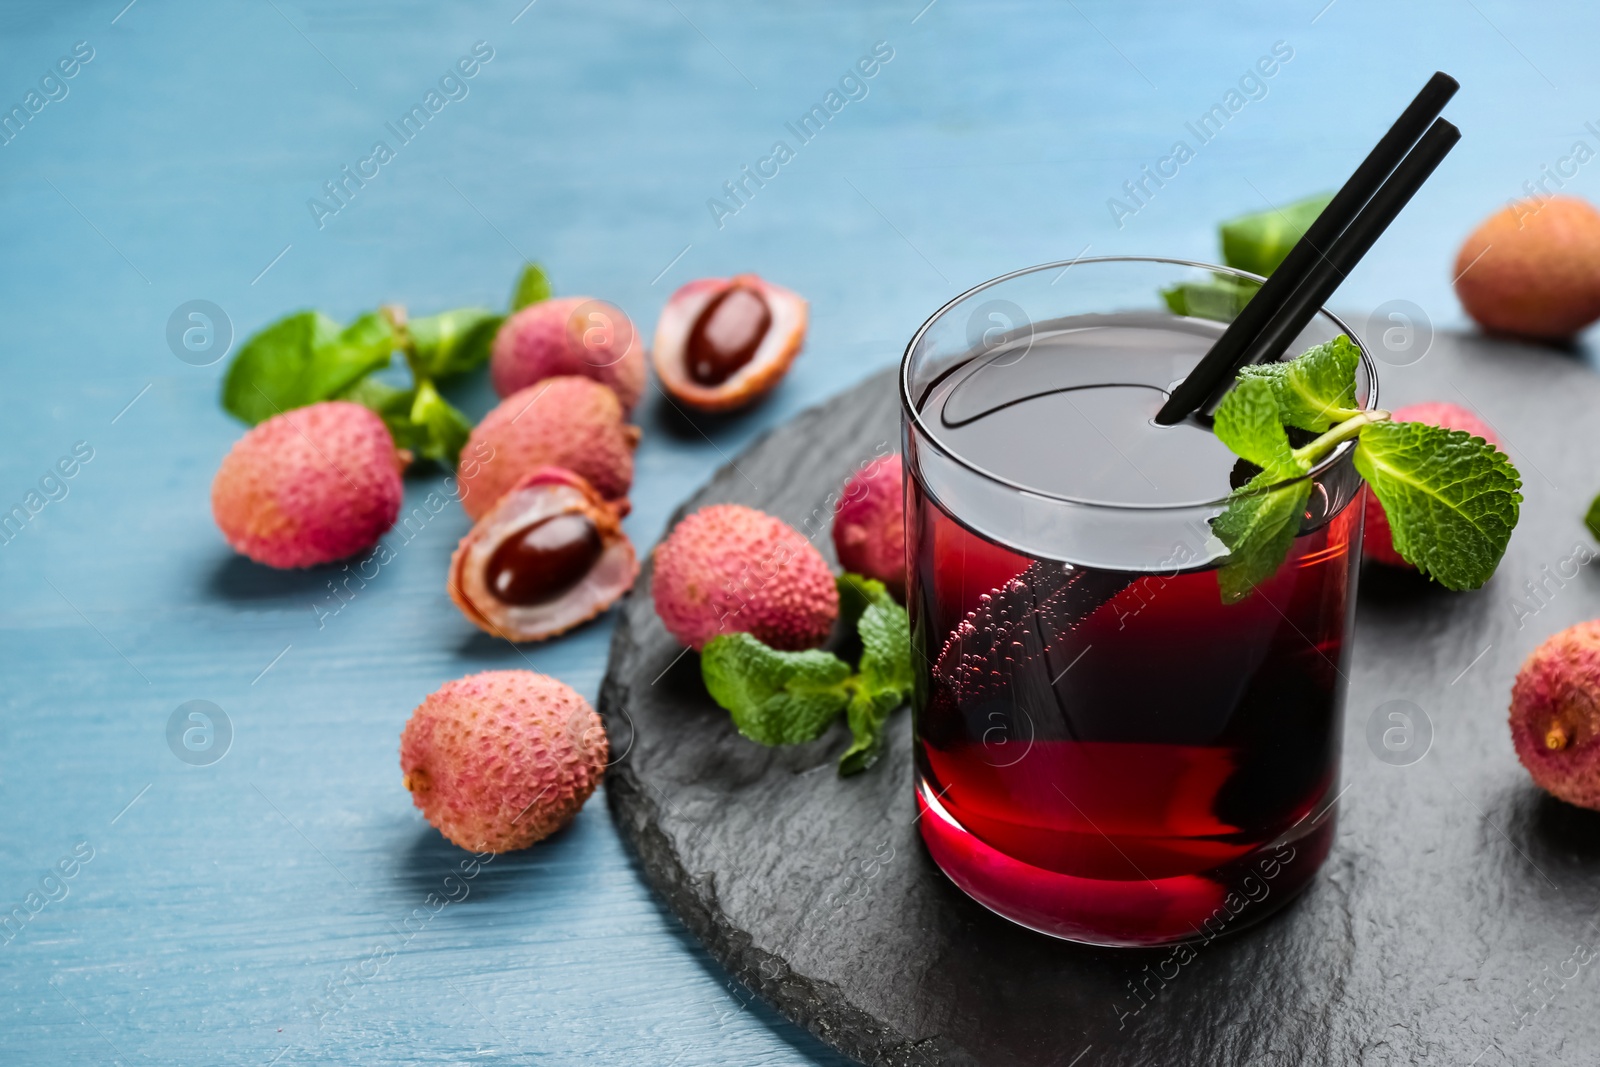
(1350, 427)
(396, 314)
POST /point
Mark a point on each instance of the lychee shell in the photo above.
(1559, 687)
(728, 568)
(570, 422)
(778, 349)
(311, 485)
(544, 340)
(1377, 539)
(502, 759)
(542, 494)
(1533, 269)
(869, 524)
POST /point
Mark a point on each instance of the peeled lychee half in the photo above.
(499, 760)
(723, 342)
(1533, 269)
(570, 422)
(731, 569)
(569, 335)
(1555, 715)
(869, 524)
(550, 555)
(309, 486)
(1378, 540)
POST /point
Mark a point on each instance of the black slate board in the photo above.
(1454, 922)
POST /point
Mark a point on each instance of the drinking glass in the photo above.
(1106, 750)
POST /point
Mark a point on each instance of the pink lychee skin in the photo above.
(1560, 683)
(730, 569)
(1377, 540)
(869, 524)
(548, 339)
(570, 422)
(309, 486)
(502, 759)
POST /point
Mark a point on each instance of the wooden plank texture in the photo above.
(223, 903)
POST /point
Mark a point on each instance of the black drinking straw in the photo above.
(1227, 355)
(1328, 272)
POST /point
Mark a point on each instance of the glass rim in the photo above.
(1340, 453)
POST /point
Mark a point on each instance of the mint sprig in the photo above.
(788, 698)
(307, 357)
(1315, 390)
(1452, 499)
(301, 359)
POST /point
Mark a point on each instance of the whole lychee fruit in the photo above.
(869, 524)
(570, 422)
(501, 759)
(1378, 540)
(729, 569)
(1533, 269)
(1555, 715)
(309, 486)
(569, 335)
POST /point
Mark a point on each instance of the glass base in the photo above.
(1128, 913)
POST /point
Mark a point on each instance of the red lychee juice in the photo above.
(1107, 751)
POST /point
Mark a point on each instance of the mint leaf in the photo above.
(439, 431)
(392, 404)
(1258, 242)
(866, 714)
(856, 594)
(302, 359)
(785, 698)
(532, 287)
(418, 419)
(1315, 389)
(1452, 499)
(1221, 297)
(1592, 518)
(885, 630)
(885, 678)
(774, 698)
(1249, 422)
(1259, 528)
(453, 342)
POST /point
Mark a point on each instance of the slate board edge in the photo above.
(818, 1006)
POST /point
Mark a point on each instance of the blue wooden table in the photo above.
(263, 908)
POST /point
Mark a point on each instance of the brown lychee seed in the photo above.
(1555, 715)
(723, 342)
(1533, 269)
(549, 556)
